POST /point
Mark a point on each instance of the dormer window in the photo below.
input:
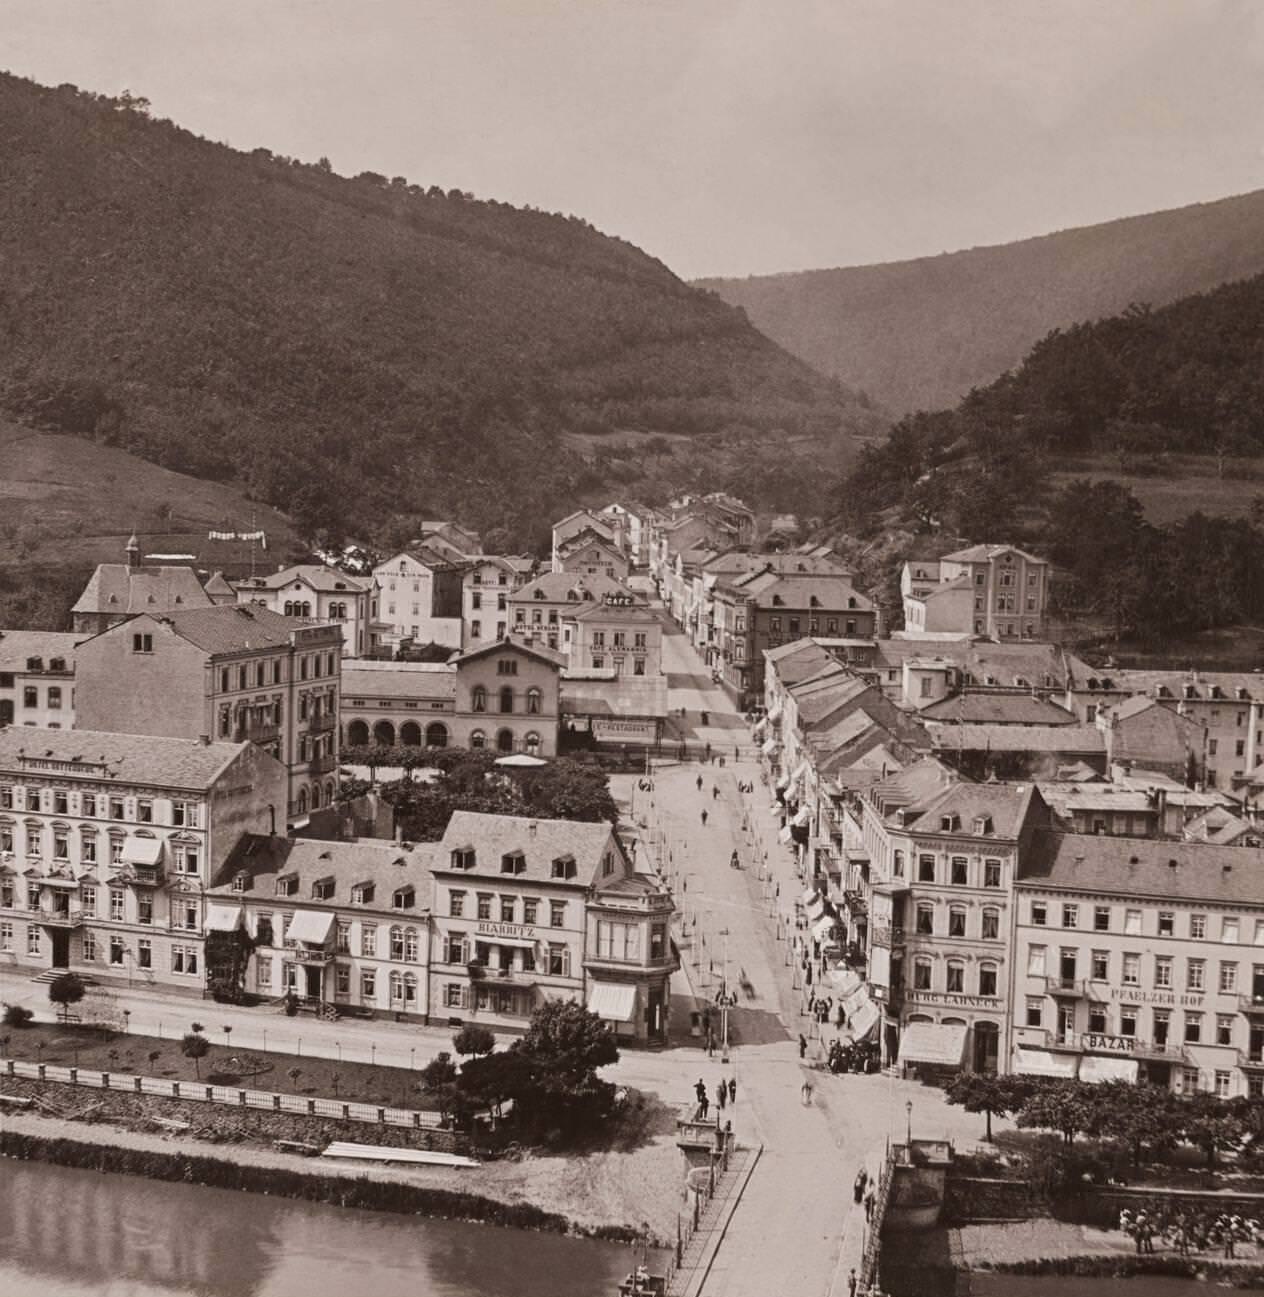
(949, 823)
(982, 825)
(362, 894)
(34, 664)
(323, 889)
(1216, 691)
(59, 664)
(405, 898)
(777, 601)
(1241, 693)
(463, 858)
(539, 594)
(1188, 691)
(564, 867)
(851, 601)
(287, 885)
(241, 881)
(513, 862)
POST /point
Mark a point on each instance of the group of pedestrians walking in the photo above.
(725, 1094)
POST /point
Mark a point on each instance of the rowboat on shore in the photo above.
(381, 1153)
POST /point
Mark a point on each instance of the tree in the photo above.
(994, 1095)
(441, 1070)
(65, 990)
(473, 1039)
(294, 1073)
(1142, 1118)
(195, 1046)
(562, 1050)
(1064, 1106)
(1211, 1124)
(491, 1080)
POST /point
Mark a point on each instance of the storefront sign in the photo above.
(1108, 1044)
(1135, 995)
(506, 930)
(624, 731)
(951, 997)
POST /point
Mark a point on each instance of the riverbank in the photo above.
(607, 1195)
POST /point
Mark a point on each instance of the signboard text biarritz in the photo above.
(506, 930)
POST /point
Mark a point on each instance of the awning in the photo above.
(933, 1042)
(808, 896)
(845, 979)
(785, 835)
(223, 918)
(613, 1001)
(1042, 1062)
(864, 1021)
(853, 999)
(1095, 1068)
(783, 782)
(50, 880)
(815, 908)
(774, 714)
(523, 943)
(823, 927)
(803, 817)
(769, 747)
(310, 926)
(141, 851)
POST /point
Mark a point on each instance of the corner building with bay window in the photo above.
(527, 911)
(1142, 960)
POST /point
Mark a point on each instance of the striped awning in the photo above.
(613, 1001)
(933, 1042)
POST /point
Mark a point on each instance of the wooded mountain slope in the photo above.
(918, 335)
(349, 349)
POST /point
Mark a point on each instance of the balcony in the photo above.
(1077, 988)
(144, 875)
(1162, 1051)
(256, 733)
(891, 935)
(322, 765)
(1251, 1060)
(323, 723)
(1253, 1005)
(71, 918)
(309, 955)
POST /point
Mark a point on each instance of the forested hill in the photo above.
(920, 334)
(346, 348)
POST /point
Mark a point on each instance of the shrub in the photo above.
(16, 1016)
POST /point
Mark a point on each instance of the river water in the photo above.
(71, 1233)
(1017, 1285)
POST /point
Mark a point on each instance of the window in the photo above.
(368, 940)
(144, 953)
(1100, 965)
(506, 699)
(1196, 975)
(184, 959)
(368, 984)
(1162, 1023)
(484, 905)
(990, 925)
(116, 950)
(145, 908)
(533, 702)
(89, 947)
(513, 862)
(116, 905)
(454, 995)
(1163, 970)
(397, 943)
(411, 945)
(1097, 1018)
(143, 643)
(456, 904)
(926, 869)
(144, 810)
(1167, 923)
(404, 898)
(1193, 1028)
(30, 696)
(921, 974)
(1189, 1080)
(88, 899)
(1132, 922)
(457, 950)
(958, 872)
(1229, 931)
(507, 909)
(32, 939)
(1228, 976)
(925, 923)
(956, 921)
(530, 909)
(1039, 914)
(61, 844)
(558, 961)
(1197, 926)
(956, 974)
(987, 979)
(897, 864)
(557, 914)
(1127, 1020)
(1224, 1029)
(478, 699)
(1131, 975)
(1222, 1079)
(116, 808)
(1101, 918)
(991, 873)
(1070, 916)
(507, 667)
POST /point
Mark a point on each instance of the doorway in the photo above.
(61, 948)
(313, 975)
(986, 1046)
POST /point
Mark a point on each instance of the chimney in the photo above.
(133, 552)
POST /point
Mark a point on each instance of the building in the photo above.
(635, 519)
(313, 591)
(543, 610)
(1140, 960)
(486, 585)
(37, 678)
(116, 591)
(608, 527)
(340, 925)
(995, 590)
(528, 911)
(418, 597)
(109, 841)
(588, 553)
(409, 704)
(507, 698)
(230, 673)
(1141, 731)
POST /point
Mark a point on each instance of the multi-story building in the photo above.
(1139, 959)
(405, 703)
(635, 519)
(620, 632)
(37, 678)
(116, 591)
(109, 841)
(417, 597)
(486, 586)
(607, 527)
(534, 910)
(507, 698)
(340, 925)
(543, 611)
(313, 591)
(995, 590)
(589, 553)
(231, 673)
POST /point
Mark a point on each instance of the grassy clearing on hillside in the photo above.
(1179, 485)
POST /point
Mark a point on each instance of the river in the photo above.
(71, 1233)
(1017, 1285)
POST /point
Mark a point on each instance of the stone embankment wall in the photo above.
(972, 1198)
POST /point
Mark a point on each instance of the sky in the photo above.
(725, 137)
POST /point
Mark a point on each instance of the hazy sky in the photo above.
(723, 136)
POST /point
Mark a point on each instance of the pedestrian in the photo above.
(721, 760)
(858, 1189)
(710, 1042)
(699, 783)
(805, 1093)
(704, 817)
(851, 1283)
(721, 1095)
(870, 1202)
(715, 791)
(704, 1106)
(733, 860)
(803, 1045)
(732, 1089)
(811, 1001)
(700, 1091)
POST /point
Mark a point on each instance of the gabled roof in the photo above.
(1005, 805)
(556, 587)
(975, 707)
(363, 677)
(510, 644)
(946, 587)
(233, 628)
(832, 593)
(129, 758)
(1016, 738)
(637, 613)
(217, 585)
(985, 553)
(387, 866)
(316, 575)
(116, 589)
(1145, 867)
(540, 841)
(16, 646)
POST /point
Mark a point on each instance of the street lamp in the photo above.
(908, 1110)
(725, 1000)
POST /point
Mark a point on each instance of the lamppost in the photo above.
(726, 999)
(908, 1110)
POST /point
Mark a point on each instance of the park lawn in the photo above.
(108, 1051)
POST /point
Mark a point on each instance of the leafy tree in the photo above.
(998, 1096)
(491, 1080)
(562, 1049)
(15, 1015)
(1064, 1106)
(65, 990)
(1144, 1119)
(294, 1073)
(195, 1046)
(1211, 1124)
(473, 1039)
(441, 1070)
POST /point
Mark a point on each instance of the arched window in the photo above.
(315, 797)
(505, 741)
(410, 945)
(384, 734)
(925, 918)
(397, 943)
(331, 790)
(410, 734)
(478, 698)
(921, 974)
(397, 987)
(289, 608)
(357, 733)
(506, 698)
(533, 702)
(531, 744)
(477, 739)
(991, 925)
(307, 608)
(436, 735)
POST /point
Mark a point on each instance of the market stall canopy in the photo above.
(815, 908)
(845, 980)
(521, 759)
(310, 926)
(1043, 1062)
(933, 1042)
(612, 1001)
(141, 851)
(1093, 1068)
(865, 1020)
(223, 918)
